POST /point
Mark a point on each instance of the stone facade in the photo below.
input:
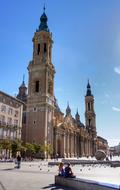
(40, 101)
(71, 137)
(45, 123)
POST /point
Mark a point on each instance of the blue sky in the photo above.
(86, 36)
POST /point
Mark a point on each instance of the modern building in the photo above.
(45, 123)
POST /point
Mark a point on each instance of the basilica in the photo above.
(43, 121)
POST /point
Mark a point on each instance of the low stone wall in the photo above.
(83, 184)
(87, 162)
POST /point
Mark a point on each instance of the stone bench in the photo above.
(84, 184)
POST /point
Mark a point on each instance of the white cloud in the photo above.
(117, 70)
(116, 109)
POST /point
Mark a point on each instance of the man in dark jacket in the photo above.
(18, 161)
(68, 171)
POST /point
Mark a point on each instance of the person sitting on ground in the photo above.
(68, 171)
(61, 169)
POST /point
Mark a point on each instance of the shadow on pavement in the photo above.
(7, 169)
(2, 186)
(56, 187)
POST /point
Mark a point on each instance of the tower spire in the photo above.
(77, 111)
(43, 21)
(88, 89)
(68, 110)
(77, 116)
(23, 79)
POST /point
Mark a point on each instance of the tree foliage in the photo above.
(6, 144)
(30, 149)
(16, 146)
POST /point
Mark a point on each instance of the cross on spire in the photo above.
(23, 77)
(44, 8)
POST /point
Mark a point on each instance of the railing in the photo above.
(4, 124)
(7, 137)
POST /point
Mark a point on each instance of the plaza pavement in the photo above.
(31, 176)
(38, 175)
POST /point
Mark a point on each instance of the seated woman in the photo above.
(61, 169)
(68, 171)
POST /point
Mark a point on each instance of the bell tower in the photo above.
(90, 117)
(40, 104)
(22, 95)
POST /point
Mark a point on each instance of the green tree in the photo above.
(1, 147)
(6, 145)
(48, 149)
(16, 146)
(30, 149)
(37, 148)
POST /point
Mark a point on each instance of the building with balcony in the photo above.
(10, 117)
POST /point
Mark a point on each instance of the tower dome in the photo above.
(43, 22)
(22, 95)
(77, 116)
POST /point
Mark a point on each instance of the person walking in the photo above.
(18, 161)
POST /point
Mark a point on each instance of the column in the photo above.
(86, 147)
(56, 143)
(64, 144)
(68, 145)
(75, 145)
(82, 146)
(72, 145)
(78, 144)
